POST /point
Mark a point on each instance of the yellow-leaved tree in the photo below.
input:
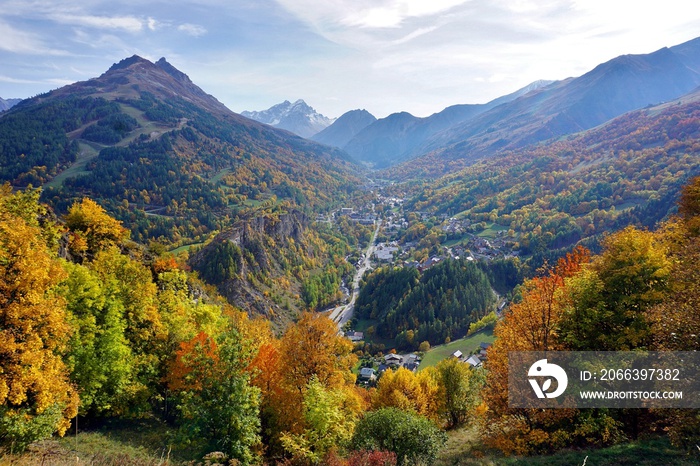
(408, 391)
(36, 398)
(93, 228)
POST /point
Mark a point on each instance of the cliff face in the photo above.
(252, 264)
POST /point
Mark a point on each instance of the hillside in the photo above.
(553, 195)
(620, 85)
(266, 263)
(162, 155)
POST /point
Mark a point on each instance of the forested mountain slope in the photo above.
(161, 154)
(550, 196)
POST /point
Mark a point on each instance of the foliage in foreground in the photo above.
(414, 439)
(640, 293)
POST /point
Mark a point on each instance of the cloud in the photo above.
(327, 15)
(11, 80)
(413, 35)
(393, 13)
(192, 29)
(21, 42)
(126, 23)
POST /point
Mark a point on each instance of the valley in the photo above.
(286, 288)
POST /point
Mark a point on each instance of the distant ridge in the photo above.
(345, 128)
(397, 137)
(297, 117)
(625, 83)
(6, 104)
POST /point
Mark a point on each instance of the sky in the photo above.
(384, 56)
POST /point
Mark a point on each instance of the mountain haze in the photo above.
(6, 104)
(622, 84)
(297, 117)
(345, 128)
(396, 138)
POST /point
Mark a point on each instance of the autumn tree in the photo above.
(309, 349)
(218, 406)
(312, 347)
(674, 321)
(96, 230)
(36, 397)
(530, 325)
(408, 391)
(99, 355)
(459, 388)
(330, 415)
(607, 304)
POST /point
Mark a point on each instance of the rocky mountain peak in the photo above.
(298, 117)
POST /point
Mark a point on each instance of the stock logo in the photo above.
(542, 369)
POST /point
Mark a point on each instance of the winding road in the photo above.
(342, 314)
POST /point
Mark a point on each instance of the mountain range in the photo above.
(620, 85)
(6, 104)
(297, 117)
(541, 111)
(399, 136)
(175, 164)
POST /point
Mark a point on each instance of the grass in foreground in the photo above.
(146, 444)
(137, 443)
(464, 448)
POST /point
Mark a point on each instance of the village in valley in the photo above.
(393, 246)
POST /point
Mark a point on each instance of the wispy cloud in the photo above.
(125, 23)
(393, 13)
(194, 30)
(11, 80)
(52, 81)
(21, 42)
(365, 13)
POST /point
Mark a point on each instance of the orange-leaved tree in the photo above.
(310, 349)
(530, 325)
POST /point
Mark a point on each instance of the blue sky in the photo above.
(382, 55)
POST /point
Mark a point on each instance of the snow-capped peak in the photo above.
(297, 117)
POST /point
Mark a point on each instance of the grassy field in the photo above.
(86, 154)
(465, 449)
(491, 231)
(127, 443)
(465, 345)
(186, 247)
(149, 443)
